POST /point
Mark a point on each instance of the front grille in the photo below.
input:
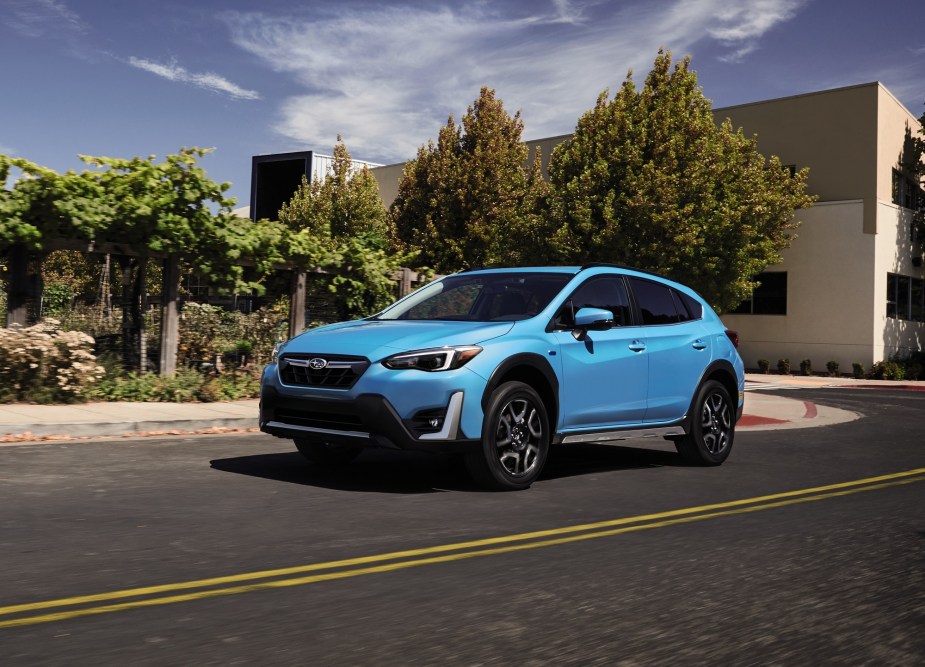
(339, 372)
(328, 420)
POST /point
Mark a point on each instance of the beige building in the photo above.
(851, 288)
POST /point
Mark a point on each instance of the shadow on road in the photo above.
(385, 471)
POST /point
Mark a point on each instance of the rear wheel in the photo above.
(515, 439)
(320, 452)
(712, 427)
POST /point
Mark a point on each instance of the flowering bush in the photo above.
(42, 363)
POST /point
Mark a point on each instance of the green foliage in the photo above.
(180, 387)
(208, 333)
(157, 208)
(764, 366)
(858, 370)
(468, 200)
(338, 225)
(806, 367)
(887, 370)
(832, 368)
(918, 171)
(783, 366)
(649, 180)
(45, 364)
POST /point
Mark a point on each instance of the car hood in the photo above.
(377, 339)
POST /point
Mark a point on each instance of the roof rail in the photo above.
(591, 265)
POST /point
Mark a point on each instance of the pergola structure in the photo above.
(23, 285)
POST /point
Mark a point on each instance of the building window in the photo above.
(907, 192)
(769, 298)
(905, 297)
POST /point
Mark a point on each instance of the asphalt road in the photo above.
(232, 550)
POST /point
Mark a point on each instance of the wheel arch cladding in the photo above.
(533, 370)
(724, 373)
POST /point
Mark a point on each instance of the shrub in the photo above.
(832, 368)
(783, 366)
(806, 367)
(764, 366)
(858, 370)
(887, 370)
(180, 387)
(44, 364)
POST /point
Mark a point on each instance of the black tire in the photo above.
(712, 427)
(321, 453)
(515, 439)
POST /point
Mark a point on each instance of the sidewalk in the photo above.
(21, 422)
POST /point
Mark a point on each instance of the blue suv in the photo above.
(501, 363)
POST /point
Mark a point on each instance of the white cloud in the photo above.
(209, 81)
(387, 78)
(35, 18)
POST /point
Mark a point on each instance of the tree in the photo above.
(469, 200)
(649, 180)
(160, 210)
(338, 224)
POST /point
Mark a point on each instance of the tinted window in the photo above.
(607, 292)
(655, 302)
(686, 303)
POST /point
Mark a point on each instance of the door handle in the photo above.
(637, 346)
(699, 345)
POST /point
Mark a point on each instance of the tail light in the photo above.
(733, 336)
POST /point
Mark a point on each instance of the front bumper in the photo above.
(366, 420)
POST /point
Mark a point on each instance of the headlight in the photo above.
(435, 359)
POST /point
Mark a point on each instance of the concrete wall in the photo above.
(893, 255)
(833, 132)
(830, 295)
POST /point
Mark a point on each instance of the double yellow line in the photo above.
(134, 598)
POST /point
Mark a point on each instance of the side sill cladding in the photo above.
(524, 364)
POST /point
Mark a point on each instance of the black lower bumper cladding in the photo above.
(368, 420)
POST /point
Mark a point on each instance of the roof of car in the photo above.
(558, 269)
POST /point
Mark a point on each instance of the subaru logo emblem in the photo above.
(317, 363)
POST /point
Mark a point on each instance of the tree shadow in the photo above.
(387, 471)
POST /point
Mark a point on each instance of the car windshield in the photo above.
(480, 297)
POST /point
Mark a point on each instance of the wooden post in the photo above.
(170, 318)
(297, 303)
(18, 293)
(404, 288)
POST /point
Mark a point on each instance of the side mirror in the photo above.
(592, 319)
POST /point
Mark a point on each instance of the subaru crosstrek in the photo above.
(501, 363)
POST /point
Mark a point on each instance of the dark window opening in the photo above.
(769, 298)
(607, 292)
(656, 304)
(905, 297)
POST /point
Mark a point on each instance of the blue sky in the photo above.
(140, 77)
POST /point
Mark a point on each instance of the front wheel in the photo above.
(515, 439)
(712, 427)
(316, 451)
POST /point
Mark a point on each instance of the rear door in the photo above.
(677, 345)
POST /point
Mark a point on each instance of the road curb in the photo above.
(13, 432)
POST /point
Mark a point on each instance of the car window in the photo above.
(656, 304)
(688, 307)
(480, 297)
(607, 292)
(452, 304)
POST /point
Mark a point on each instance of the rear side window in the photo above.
(656, 304)
(688, 307)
